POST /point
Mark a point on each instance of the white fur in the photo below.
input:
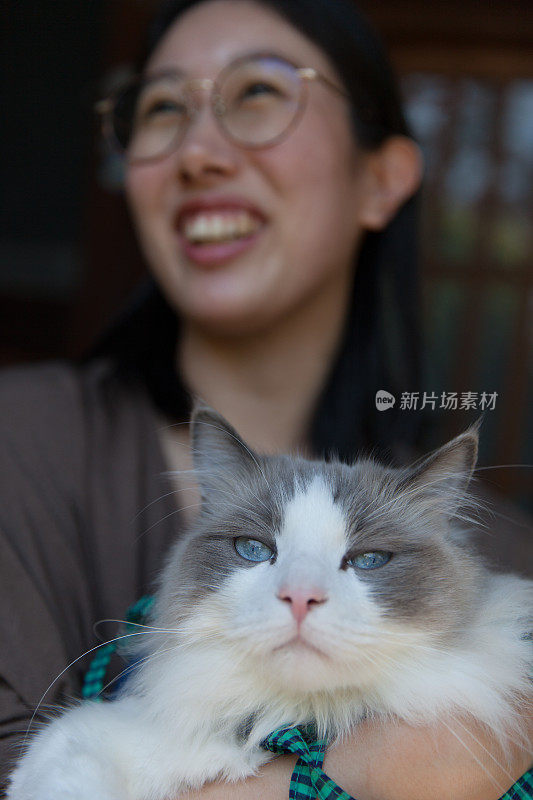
(235, 655)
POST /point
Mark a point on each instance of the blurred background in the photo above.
(68, 257)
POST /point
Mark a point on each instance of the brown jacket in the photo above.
(84, 522)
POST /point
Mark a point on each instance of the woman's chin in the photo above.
(227, 316)
(242, 295)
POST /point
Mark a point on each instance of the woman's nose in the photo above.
(205, 156)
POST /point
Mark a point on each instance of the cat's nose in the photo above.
(302, 601)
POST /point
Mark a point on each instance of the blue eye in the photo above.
(372, 560)
(252, 550)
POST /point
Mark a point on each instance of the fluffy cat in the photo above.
(304, 592)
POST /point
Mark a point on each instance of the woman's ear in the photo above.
(394, 173)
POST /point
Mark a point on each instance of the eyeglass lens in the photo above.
(255, 102)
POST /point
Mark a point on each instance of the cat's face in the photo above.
(322, 575)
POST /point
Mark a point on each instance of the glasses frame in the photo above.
(105, 108)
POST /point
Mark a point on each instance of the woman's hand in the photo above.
(396, 761)
(271, 784)
(456, 760)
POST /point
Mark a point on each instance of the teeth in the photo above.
(209, 227)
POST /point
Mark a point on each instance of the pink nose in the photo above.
(302, 600)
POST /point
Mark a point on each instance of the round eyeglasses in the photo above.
(256, 100)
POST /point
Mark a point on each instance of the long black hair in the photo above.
(380, 348)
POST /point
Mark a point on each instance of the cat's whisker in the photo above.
(168, 426)
(230, 492)
(164, 496)
(144, 660)
(492, 512)
(435, 650)
(75, 661)
(379, 656)
(514, 735)
(435, 647)
(405, 495)
(487, 751)
(249, 513)
(504, 466)
(256, 497)
(167, 516)
(507, 518)
(500, 787)
(384, 668)
(127, 623)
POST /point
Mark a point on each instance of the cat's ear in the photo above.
(443, 476)
(221, 458)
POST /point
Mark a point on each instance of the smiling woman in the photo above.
(280, 187)
(271, 180)
(290, 235)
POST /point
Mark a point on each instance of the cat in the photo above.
(304, 592)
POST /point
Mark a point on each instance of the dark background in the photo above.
(68, 257)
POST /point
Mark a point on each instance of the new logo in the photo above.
(384, 400)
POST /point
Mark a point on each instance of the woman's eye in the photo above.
(252, 550)
(258, 89)
(163, 107)
(371, 560)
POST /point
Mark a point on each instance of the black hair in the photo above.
(380, 348)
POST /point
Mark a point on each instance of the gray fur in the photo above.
(431, 577)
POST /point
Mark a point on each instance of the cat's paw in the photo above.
(79, 779)
(69, 760)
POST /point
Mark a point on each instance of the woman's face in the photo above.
(300, 198)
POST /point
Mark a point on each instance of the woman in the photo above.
(252, 232)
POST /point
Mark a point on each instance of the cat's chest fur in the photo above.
(303, 592)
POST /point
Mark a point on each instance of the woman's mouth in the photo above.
(218, 227)
(210, 237)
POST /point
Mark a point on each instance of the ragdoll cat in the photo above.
(304, 592)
